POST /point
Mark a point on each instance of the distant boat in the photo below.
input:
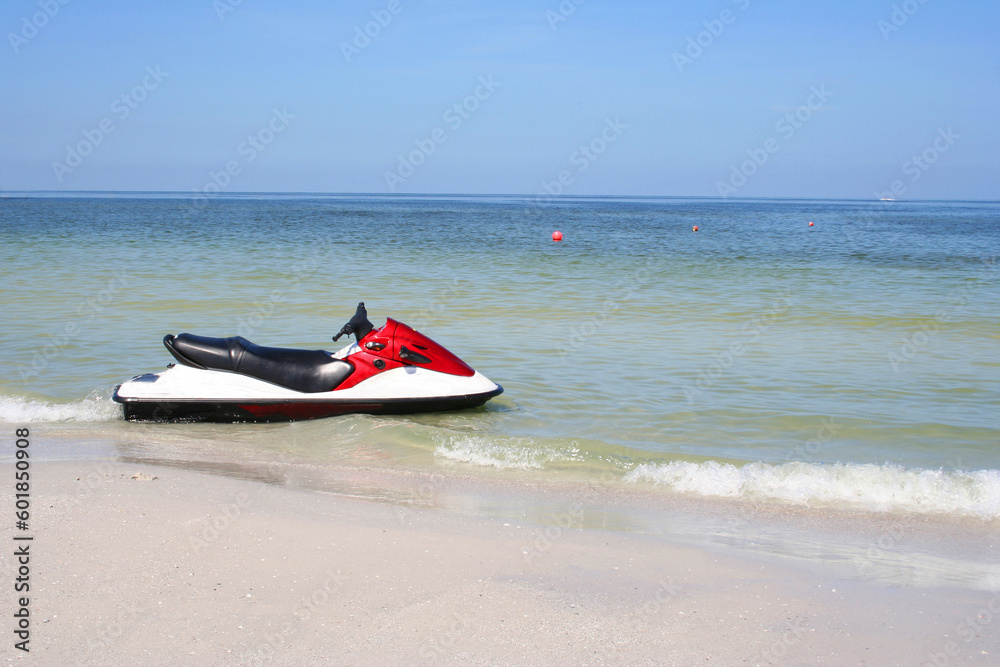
(887, 199)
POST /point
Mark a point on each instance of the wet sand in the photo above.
(143, 564)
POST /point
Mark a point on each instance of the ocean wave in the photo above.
(19, 410)
(503, 453)
(886, 488)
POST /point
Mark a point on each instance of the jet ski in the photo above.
(390, 370)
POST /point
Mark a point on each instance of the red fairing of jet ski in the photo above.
(390, 370)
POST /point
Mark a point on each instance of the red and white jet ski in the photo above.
(390, 370)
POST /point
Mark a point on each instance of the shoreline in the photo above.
(152, 564)
(893, 548)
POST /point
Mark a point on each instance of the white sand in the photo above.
(198, 569)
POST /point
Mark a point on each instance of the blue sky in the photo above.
(741, 98)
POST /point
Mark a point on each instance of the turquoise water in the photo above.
(852, 363)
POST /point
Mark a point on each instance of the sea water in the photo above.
(853, 363)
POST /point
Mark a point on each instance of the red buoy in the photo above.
(810, 224)
(557, 235)
(695, 228)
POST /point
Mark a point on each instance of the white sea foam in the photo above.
(19, 410)
(502, 453)
(869, 487)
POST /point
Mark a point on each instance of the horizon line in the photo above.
(6, 194)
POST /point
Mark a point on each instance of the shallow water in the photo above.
(852, 364)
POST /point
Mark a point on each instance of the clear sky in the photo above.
(752, 98)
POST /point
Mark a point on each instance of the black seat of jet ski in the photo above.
(307, 371)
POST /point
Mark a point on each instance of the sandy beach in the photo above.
(152, 565)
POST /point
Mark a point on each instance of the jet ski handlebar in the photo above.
(358, 325)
